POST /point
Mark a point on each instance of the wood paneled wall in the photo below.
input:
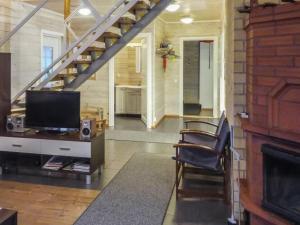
(25, 45)
(125, 67)
(5, 25)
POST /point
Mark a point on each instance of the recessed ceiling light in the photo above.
(173, 7)
(187, 20)
(84, 11)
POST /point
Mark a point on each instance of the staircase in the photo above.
(95, 48)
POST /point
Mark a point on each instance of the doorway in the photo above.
(199, 77)
(130, 85)
(51, 49)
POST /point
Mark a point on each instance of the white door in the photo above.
(51, 49)
(206, 75)
(51, 46)
(144, 70)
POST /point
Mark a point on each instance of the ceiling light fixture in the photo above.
(173, 7)
(84, 11)
(186, 20)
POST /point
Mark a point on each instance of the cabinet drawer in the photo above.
(66, 148)
(22, 145)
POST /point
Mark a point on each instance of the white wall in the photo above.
(206, 75)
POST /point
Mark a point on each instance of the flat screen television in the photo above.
(53, 110)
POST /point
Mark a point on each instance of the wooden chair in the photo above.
(201, 137)
(203, 159)
(216, 126)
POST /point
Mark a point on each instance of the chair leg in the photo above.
(177, 174)
(176, 182)
(226, 178)
(225, 188)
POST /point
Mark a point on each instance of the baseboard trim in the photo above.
(156, 124)
(139, 116)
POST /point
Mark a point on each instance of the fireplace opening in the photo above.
(281, 192)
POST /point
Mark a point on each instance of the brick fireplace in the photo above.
(273, 100)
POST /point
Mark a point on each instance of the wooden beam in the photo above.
(67, 12)
(67, 8)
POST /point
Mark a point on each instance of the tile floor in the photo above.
(168, 124)
(117, 153)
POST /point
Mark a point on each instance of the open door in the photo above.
(144, 98)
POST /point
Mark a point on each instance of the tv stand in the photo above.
(55, 132)
(44, 145)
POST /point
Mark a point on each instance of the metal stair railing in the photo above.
(23, 22)
(86, 40)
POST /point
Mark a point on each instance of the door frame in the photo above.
(111, 110)
(216, 72)
(51, 34)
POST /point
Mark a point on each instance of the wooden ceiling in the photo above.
(58, 5)
(198, 9)
(55, 5)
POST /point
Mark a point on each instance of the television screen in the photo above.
(53, 110)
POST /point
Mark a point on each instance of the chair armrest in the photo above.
(202, 148)
(204, 133)
(198, 121)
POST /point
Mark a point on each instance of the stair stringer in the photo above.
(124, 40)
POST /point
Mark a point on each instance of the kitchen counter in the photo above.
(128, 99)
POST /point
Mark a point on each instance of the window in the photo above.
(47, 58)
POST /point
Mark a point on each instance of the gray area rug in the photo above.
(138, 195)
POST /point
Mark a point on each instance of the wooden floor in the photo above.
(45, 205)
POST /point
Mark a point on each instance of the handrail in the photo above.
(23, 22)
(96, 34)
(99, 23)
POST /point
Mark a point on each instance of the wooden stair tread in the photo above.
(126, 20)
(141, 5)
(54, 87)
(95, 49)
(110, 35)
(81, 62)
(57, 78)
(18, 110)
(63, 75)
